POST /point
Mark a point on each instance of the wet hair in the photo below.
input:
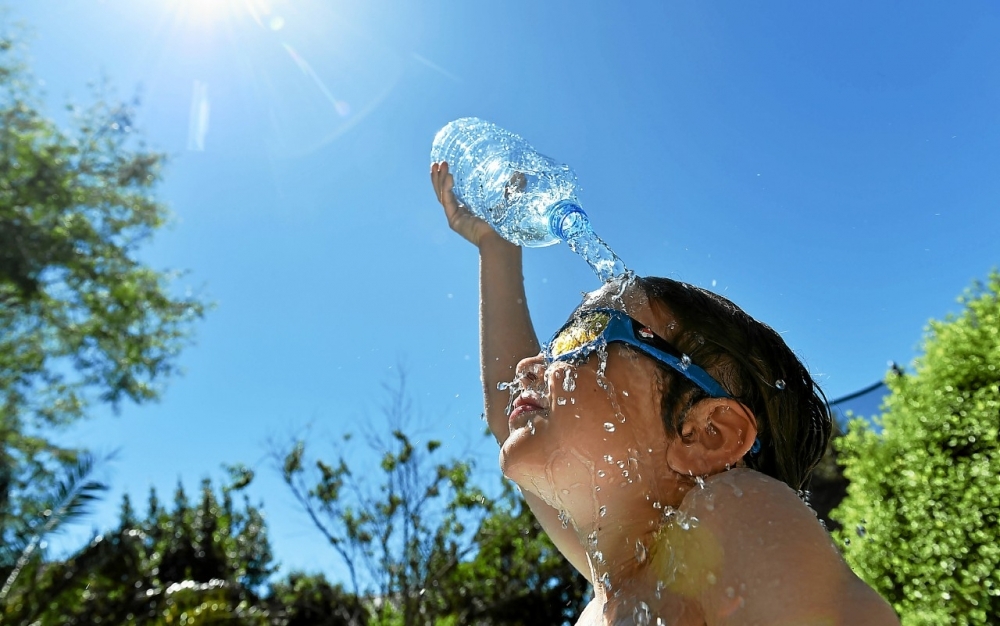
(758, 370)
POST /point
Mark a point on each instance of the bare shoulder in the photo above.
(774, 561)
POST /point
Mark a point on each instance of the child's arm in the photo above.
(505, 332)
(506, 336)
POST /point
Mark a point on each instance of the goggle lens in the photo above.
(583, 331)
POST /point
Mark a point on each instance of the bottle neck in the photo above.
(567, 220)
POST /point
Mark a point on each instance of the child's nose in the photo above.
(531, 369)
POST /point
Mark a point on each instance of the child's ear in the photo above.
(715, 435)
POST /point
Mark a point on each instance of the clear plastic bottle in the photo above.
(527, 197)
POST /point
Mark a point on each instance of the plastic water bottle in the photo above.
(527, 197)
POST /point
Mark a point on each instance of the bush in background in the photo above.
(920, 520)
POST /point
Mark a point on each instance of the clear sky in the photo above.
(831, 167)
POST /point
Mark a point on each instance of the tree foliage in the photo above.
(423, 544)
(82, 318)
(920, 520)
(207, 561)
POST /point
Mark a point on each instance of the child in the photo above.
(659, 439)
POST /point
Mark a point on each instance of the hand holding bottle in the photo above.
(460, 218)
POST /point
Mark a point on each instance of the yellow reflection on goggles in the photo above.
(579, 333)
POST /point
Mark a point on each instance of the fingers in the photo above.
(444, 183)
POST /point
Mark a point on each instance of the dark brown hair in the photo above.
(756, 367)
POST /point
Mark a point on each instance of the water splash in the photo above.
(585, 242)
(515, 388)
(569, 382)
(660, 586)
(675, 517)
(640, 551)
(640, 614)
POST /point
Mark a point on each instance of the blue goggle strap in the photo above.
(620, 329)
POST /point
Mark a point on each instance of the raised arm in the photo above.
(505, 331)
(506, 336)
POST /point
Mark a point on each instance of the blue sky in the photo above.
(831, 167)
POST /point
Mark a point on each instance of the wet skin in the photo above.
(756, 553)
(716, 547)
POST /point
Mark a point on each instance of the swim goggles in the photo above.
(590, 330)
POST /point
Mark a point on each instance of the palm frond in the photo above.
(71, 499)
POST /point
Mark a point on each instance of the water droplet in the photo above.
(640, 552)
(592, 539)
(625, 473)
(700, 482)
(601, 473)
(624, 393)
(608, 426)
(730, 592)
(685, 362)
(779, 384)
(847, 542)
(598, 556)
(561, 401)
(861, 531)
(531, 426)
(609, 458)
(640, 614)
(710, 577)
(603, 511)
(569, 382)
(564, 519)
(606, 581)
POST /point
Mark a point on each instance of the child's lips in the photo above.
(525, 404)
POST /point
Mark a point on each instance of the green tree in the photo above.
(426, 545)
(920, 520)
(395, 538)
(207, 560)
(310, 600)
(82, 318)
(516, 576)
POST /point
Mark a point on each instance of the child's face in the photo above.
(583, 432)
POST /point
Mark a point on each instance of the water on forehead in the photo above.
(623, 293)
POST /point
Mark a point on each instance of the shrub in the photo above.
(921, 512)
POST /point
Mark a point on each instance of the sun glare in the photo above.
(207, 10)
